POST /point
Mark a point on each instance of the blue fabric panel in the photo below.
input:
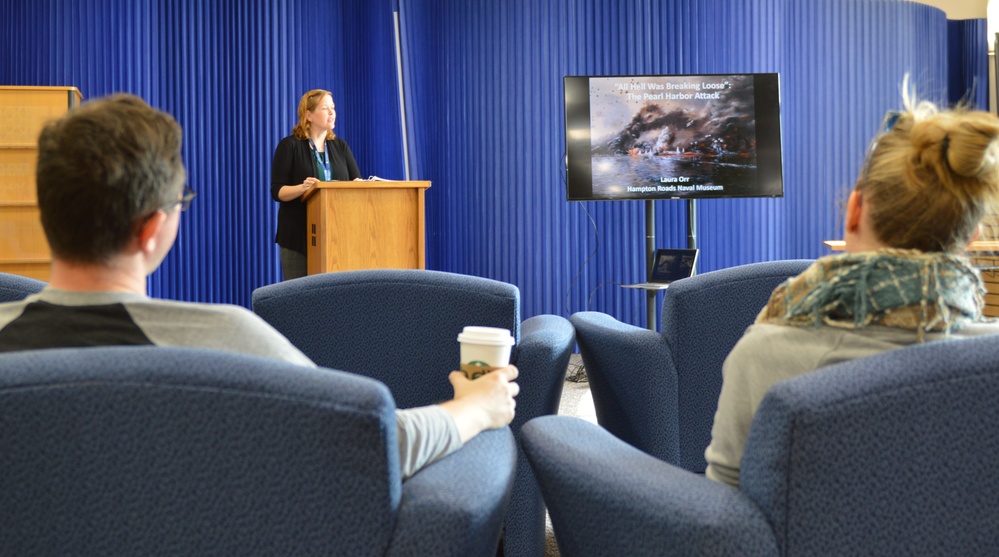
(483, 90)
(231, 72)
(486, 127)
(968, 63)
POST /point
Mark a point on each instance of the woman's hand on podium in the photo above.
(296, 191)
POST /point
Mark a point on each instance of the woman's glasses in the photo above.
(887, 124)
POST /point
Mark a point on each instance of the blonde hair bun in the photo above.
(932, 176)
(961, 142)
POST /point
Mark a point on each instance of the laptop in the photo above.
(669, 265)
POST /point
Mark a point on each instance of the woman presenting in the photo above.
(312, 153)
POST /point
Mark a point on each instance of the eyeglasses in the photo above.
(184, 201)
(887, 124)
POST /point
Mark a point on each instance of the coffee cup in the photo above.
(484, 349)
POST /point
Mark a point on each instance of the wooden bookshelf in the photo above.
(23, 113)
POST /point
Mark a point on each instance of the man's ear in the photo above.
(853, 209)
(149, 233)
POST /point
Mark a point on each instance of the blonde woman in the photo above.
(312, 153)
(929, 179)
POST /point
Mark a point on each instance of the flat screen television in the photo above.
(673, 136)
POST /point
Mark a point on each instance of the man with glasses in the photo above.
(110, 191)
(110, 182)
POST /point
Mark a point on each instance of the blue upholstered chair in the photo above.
(659, 392)
(889, 455)
(14, 288)
(401, 327)
(174, 451)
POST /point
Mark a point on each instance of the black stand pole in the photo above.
(650, 251)
(692, 227)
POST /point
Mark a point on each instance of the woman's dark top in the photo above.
(293, 163)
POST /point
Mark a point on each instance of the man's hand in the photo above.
(485, 403)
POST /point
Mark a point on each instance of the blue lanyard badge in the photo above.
(323, 160)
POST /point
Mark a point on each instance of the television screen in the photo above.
(673, 136)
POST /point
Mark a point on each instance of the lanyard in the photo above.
(323, 161)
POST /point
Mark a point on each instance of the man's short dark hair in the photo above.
(102, 169)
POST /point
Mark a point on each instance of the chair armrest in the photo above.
(542, 356)
(607, 498)
(633, 381)
(455, 506)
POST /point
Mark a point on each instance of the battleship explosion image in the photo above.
(672, 136)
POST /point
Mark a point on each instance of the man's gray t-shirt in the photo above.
(57, 318)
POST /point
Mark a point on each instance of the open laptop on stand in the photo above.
(668, 265)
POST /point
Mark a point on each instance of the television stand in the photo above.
(650, 251)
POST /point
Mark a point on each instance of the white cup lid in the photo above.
(486, 335)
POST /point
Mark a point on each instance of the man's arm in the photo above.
(429, 433)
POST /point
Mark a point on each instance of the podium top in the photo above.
(367, 185)
(17, 93)
(40, 88)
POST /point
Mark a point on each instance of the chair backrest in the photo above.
(173, 451)
(14, 288)
(894, 454)
(398, 326)
(703, 317)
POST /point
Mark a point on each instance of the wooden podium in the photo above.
(365, 225)
(23, 113)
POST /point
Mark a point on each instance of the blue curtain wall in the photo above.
(483, 95)
(484, 80)
(231, 72)
(967, 49)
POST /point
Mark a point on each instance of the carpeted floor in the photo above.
(576, 401)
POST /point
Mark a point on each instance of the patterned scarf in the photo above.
(904, 289)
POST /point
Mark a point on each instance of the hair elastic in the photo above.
(943, 151)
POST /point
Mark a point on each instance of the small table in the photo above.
(651, 289)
